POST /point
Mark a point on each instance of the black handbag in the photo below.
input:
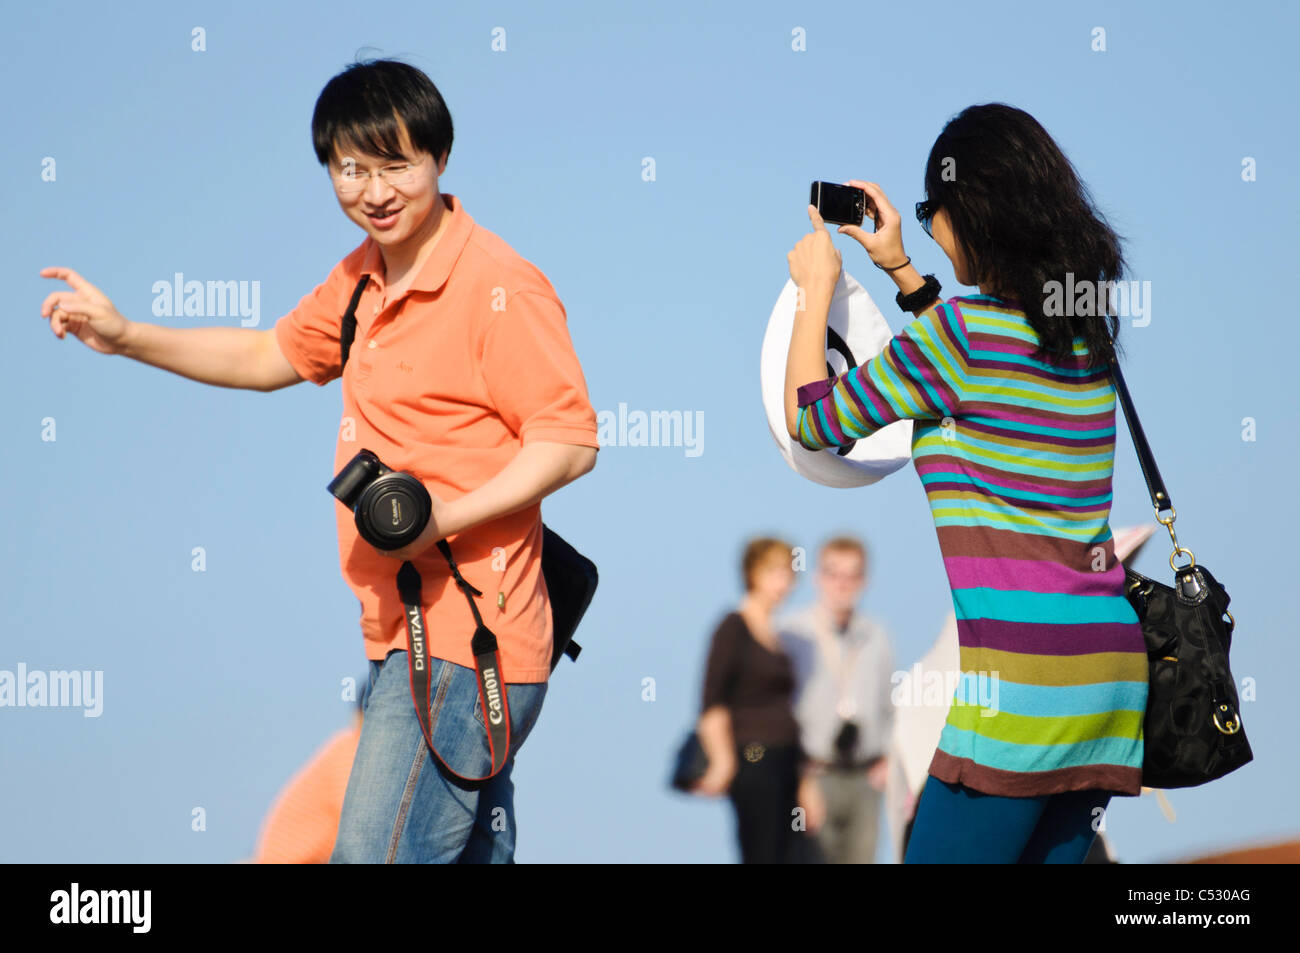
(692, 761)
(690, 765)
(571, 580)
(1192, 728)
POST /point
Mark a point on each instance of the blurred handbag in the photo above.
(692, 761)
(1192, 728)
(691, 764)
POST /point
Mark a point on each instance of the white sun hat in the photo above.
(856, 331)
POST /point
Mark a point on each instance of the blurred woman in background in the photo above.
(747, 727)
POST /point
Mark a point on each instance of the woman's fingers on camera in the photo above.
(855, 232)
(881, 201)
(815, 217)
(859, 184)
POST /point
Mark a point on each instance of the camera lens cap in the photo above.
(393, 511)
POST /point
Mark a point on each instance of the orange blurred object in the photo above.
(304, 820)
(1283, 852)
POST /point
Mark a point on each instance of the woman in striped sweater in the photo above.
(1014, 442)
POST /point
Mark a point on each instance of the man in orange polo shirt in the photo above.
(462, 373)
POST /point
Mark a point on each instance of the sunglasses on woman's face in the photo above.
(925, 212)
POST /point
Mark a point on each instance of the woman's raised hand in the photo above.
(815, 261)
(885, 244)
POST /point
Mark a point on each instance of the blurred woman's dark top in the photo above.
(755, 683)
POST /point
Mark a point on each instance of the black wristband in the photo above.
(922, 295)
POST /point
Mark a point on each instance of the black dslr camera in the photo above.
(846, 742)
(392, 508)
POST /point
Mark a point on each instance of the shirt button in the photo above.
(372, 345)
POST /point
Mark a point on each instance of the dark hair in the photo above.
(1023, 218)
(360, 107)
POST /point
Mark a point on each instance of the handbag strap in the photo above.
(1160, 498)
(1159, 495)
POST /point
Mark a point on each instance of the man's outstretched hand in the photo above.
(86, 312)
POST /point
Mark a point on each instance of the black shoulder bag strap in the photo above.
(348, 332)
(493, 699)
(1159, 495)
(1147, 461)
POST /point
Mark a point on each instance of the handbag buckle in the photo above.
(1231, 723)
(1140, 586)
(1192, 589)
(1169, 525)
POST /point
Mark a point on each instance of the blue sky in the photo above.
(219, 684)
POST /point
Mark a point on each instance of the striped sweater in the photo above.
(1016, 457)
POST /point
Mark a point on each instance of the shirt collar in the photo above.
(822, 617)
(437, 267)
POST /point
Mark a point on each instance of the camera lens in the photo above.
(392, 508)
(393, 513)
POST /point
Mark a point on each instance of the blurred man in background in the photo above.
(842, 665)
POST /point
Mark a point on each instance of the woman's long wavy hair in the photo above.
(1023, 218)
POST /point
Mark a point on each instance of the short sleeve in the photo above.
(309, 334)
(533, 375)
(722, 667)
(920, 375)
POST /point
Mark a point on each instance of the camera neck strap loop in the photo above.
(493, 701)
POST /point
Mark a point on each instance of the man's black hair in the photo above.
(359, 109)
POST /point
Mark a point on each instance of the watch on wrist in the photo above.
(921, 296)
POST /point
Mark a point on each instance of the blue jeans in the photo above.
(399, 807)
(955, 825)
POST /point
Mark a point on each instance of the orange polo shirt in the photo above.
(448, 382)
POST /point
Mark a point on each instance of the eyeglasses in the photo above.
(838, 576)
(349, 181)
(925, 212)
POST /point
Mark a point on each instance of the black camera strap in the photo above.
(487, 663)
(348, 330)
